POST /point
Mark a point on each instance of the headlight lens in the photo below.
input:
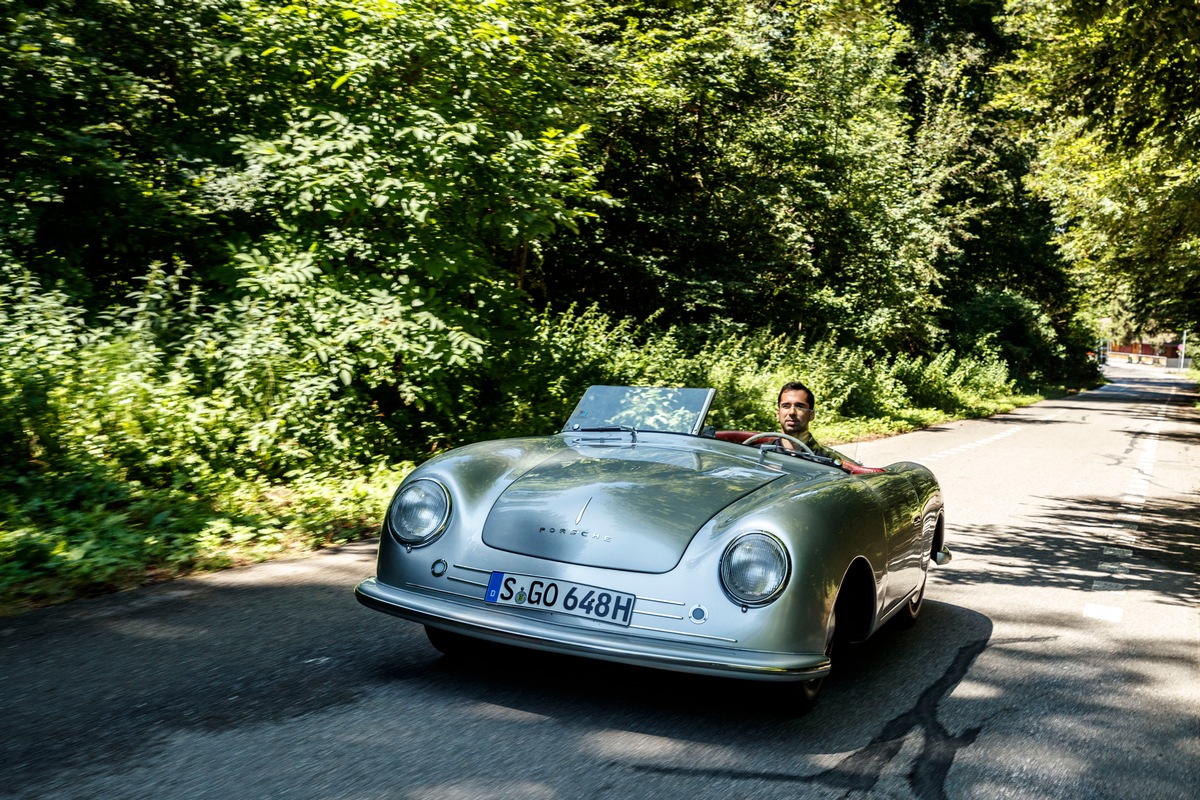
(419, 512)
(755, 568)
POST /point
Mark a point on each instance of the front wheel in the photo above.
(450, 644)
(803, 695)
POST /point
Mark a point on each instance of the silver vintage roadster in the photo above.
(638, 535)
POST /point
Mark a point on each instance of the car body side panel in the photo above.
(911, 493)
(902, 523)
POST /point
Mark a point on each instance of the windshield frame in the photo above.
(665, 409)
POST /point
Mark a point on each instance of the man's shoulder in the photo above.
(825, 452)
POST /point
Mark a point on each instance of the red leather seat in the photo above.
(737, 437)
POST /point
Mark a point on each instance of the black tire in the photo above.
(803, 695)
(912, 607)
(451, 645)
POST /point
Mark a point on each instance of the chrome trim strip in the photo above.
(464, 580)
(684, 633)
(424, 588)
(656, 614)
(664, 602)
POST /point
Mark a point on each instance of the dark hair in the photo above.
(797, 386)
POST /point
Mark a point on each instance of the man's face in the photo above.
(794, 412)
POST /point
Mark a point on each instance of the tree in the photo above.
(112, 111)
(1114, 91)
(761, 159)
(1002, 285)
(424, 148)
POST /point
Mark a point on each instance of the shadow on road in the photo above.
(101, 687)
(1064, 548)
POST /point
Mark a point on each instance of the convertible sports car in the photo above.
(638, 535)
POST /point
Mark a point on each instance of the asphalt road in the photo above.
(1058, 656)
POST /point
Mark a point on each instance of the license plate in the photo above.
(544, 594)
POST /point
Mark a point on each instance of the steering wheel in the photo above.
(769, 435)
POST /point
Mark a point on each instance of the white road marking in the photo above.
(972, 445)
(1125, 526)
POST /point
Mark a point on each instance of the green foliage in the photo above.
(761, 158)
(574, 349)
(422, 150)
(255, 257)
(110, 110)
(153, 442)
(1001, 282)
(422, 133)
(1109, 92)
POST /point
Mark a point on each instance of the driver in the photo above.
(794, 411)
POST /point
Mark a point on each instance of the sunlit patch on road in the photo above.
(1105, 613)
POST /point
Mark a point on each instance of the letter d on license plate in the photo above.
(564, 597)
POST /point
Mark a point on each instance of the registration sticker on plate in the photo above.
(577, 599)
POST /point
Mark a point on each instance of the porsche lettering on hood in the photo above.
(629, 507)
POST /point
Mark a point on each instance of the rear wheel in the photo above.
(912, 607)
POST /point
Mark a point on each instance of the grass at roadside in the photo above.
(845, 430)
(77, 535)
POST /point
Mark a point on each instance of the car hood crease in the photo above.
(634, 507)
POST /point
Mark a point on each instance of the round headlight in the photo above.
(754, 568)
(419, 512)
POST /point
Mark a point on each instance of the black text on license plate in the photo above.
(509, 589)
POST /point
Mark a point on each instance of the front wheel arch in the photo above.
(850, 620)
(854, 609)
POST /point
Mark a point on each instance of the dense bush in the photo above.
(168, 436)
(572, 350)
(160, 440)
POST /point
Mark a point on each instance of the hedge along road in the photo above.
(1056, 658)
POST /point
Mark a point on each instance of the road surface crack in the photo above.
(860, 771)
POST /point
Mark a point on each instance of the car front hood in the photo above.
(633, 507)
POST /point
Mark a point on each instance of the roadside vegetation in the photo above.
(257, 259)
(131, 463)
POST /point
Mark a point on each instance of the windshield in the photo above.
(641, 408)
